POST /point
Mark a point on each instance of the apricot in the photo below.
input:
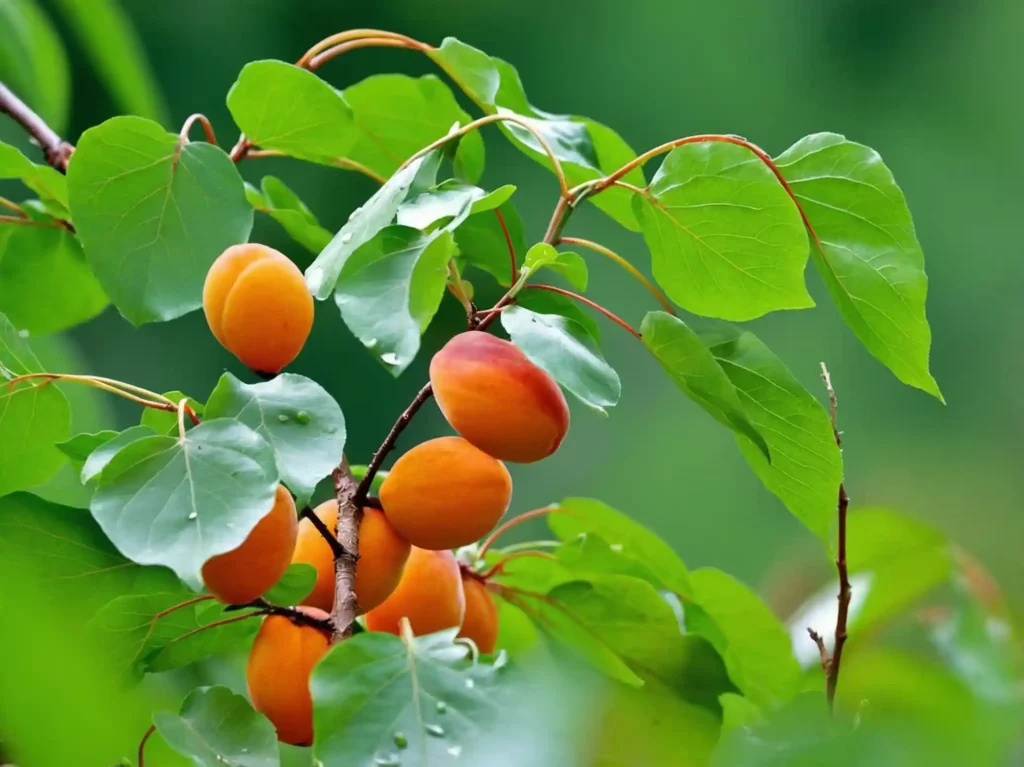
(481, 621)
(445, 493)
(382, 556)
(281, 659)
(258, 307)
(497, 399)
(243, 574)
(429, 594)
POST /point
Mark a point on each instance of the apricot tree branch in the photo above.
(325, 533)
(56, 150)
(350, 515)
(636, 273)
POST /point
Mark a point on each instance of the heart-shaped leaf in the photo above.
(179, 501)
(153, 214)
(567, 352)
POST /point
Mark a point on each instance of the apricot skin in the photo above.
(445, 493)
(245, 573)
(497, 399)
(258, 307)
(280, 662)
(481, 621)
(382, 557)
(430, 595)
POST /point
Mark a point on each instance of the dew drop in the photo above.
(193, 515)
(282, 418)
(389, 358)
(22, 334)
(346, 237)
(455, 751)
(400, 740)
(616, 547)
(470, 684)
(442, 707)
(302, 417)
(435, 729)
(387, 760)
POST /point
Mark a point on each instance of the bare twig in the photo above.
(56, 150)
(326, 534)
(350, 514)
(820, 642)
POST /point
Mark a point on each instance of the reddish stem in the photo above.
(499, 566)
(142, 745)
(511, 247)
(583, 300)
(211, 138)
(367, 42)
(509, 524)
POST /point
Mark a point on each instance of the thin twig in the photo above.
(611, 254)
(373, 502)
(23, 221)
(822, 650)
(142, 745)
(211, 137)
(350, 515)
(511, 247)
(592, 304)
(13, 206)
(325, 533)
(56, 150)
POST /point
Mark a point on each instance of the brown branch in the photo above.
(142, 745)
(326, 534)
(822, 650)
(350, 514)
(56, 150)
(592, 304)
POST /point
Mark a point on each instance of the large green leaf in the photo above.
(451, 202)
(869, 255)
(64, 549)
(361, 227)
(753, 643)
(45, 283)
(46, 182)
(33, 62)
(281, 204)
(694, 369)
(566, 351)
(296, 416)
(396, 116)
(216, 727)
(585, 149)
(577, 516)
(34, 416)
(390, 289)
(153, 214)
(405, 701)
(80, 446)
(284, 107)
(101, 454)
(726, 240)
(105, 31)
(806, 465)
(481, 242)
(179, 501)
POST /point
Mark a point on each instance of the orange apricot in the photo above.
(481, 621)
(382, 556)
(430, 595)
(281, 659)
(243, 574)
(445, 493)
(257, 305)
(497, 399)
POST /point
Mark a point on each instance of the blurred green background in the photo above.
(935, 88)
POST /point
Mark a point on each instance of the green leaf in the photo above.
(50, 185)
(694, 369)
(179, 501)
(217, 728)
(569, 265)
(153, 215)
(300, 420)
(806, 466)
(296, 583)
(725, 238)
(80, 446)
(63, 548)
(361, 227)
(396, 116)
(164, 421)
(284, 107)
(754, 645)
(183, 650)
(117, 54)
(34, 416)
(585, 149)
(281, 204)
(390, 289)
(869, 256)
(546, 302)
(45, 283)
(481, 241)
(132, 628)
(626, 537)
(451, 202)
(564, 349)
(413, 701)
(100, 456)
(33, 61)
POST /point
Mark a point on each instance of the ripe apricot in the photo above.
(481, 621)
(257, 305)
(382, 556)
(430, 595)
(243, 574)
(282, 657)
(497, 399)
(445, 493)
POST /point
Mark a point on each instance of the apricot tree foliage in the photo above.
(135, 215)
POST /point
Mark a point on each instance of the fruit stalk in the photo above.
(350, 515)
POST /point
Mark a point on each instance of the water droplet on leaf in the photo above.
(387, 760)
(389, 358)
(400, 740)
(442, 707)
(455, 751)
(193, 515)
(302, 417)
(435, 729)
(470, 684)
(282, 418)
(347, 236)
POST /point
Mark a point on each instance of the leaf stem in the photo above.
(181, 417)
(367, 42)
(217, 624)
(356, 34)
(609, 253)
(511, 247)
(499, 567)
(509, 524)
(142, 745)
(57, 151)
(592, 304)
(211, 138)
(25, 221)
(5, 203)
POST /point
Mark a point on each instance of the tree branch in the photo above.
(350, 515)
(56, 150)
